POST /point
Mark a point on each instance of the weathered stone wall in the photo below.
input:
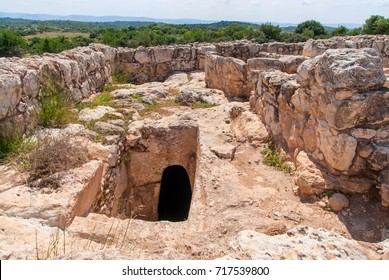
(238, 78)
(380, 43)
(81, 71)
(228, 74)
(84, 71)
(245, 50)
(157, 63)
(332, 118)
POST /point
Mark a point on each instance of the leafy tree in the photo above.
(316, 27)
(355, 31)
(376, 25)
(11, 44)
(51, 45)
(80, 41)
(341, 30)
(114, 37)
(272, 33)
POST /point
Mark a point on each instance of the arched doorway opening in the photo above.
(175, 194)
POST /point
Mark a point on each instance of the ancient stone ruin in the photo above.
(328, 113)
(331, 118)
(176, 154)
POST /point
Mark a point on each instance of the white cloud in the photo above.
(226, 2)
(307, 2)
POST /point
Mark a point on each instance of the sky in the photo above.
(281, 11)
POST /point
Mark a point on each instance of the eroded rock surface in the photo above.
(327, 118)
(300, 243)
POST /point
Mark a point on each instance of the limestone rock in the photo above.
(23, 239)
(300, 243)
(248, 127)
(362, 110)
(379, 159)
(382, 137)
(349, 69)
(148, 99)
(384, 187)
(125, 93)
(76, 193)
(188, 97)
(314, 48)
(10, 94)
(108, 128)
(291, 63)
(225, 152)
(338, 202)
(163, 54)
(142, 56)
(265, 64)
(227, 74)
(88, 114)
(338, 150)
(31, 84)
(308, 176)
(365, 134)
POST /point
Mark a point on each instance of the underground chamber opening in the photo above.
(157, 178)
(175, 195)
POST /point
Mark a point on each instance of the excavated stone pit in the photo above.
(160, 169)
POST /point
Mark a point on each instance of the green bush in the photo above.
(310, 25)
(13, 144)
(102, 99)
(272, 33)
(11, 44)
(271, 157)
(120, 77)
(340, 31)
(10, 142)
(55, 110)
(376, 25)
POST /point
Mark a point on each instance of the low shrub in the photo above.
(103, 99)
(55, 110)
(13, 144)
(54, 156)
(203, 104)
(271, 158)
(120, 77)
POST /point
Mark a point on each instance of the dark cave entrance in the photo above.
(175, 194)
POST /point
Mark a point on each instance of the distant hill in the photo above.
(82, 18)
(17, 23)
(138, 20)
(223, 23)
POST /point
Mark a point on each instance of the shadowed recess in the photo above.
(175, 195)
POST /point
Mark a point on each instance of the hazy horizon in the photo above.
(282, 11)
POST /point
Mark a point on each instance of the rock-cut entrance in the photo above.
(158, 174)
(175, 194)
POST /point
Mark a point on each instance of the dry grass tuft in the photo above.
(52, 157)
